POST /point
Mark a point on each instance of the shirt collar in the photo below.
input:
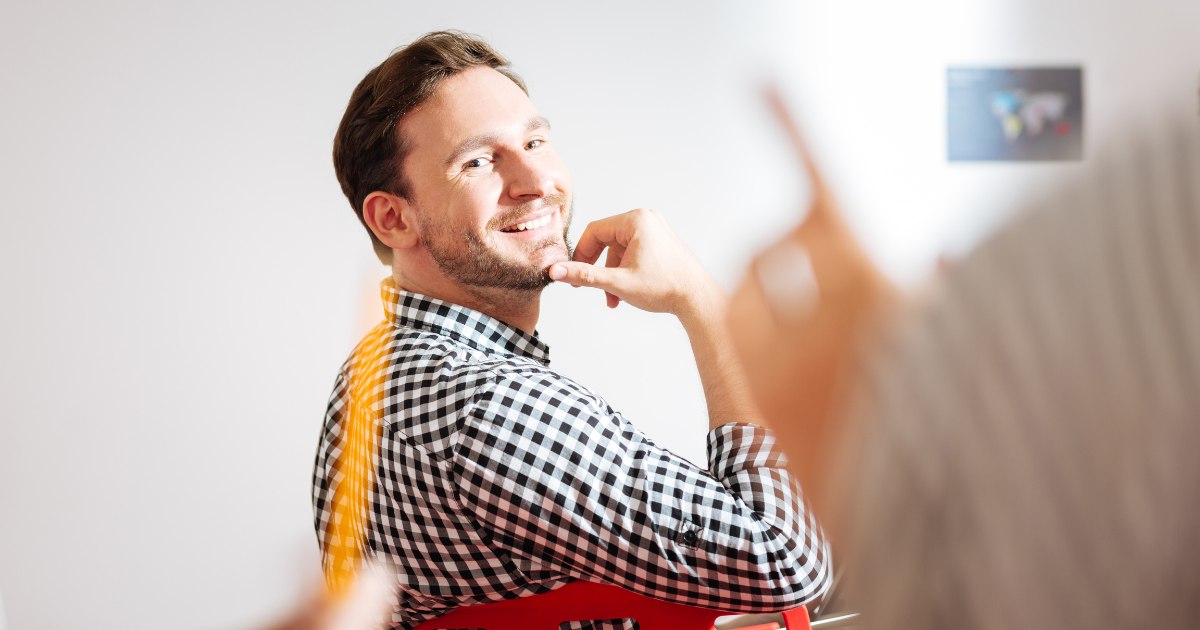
(482, 332)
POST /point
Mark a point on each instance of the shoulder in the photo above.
(535, 403)
(425, 387)
(532, 390)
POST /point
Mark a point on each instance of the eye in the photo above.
(476, 163)
(535, 143)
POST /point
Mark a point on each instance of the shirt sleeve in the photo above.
(565, 485)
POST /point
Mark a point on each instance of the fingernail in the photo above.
(557, 272)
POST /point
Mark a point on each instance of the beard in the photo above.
(465, 257)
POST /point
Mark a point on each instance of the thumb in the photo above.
(582, 274)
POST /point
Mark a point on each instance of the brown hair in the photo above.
(368, 149)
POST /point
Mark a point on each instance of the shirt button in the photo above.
(689, 537)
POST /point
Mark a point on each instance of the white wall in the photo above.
(182, 276)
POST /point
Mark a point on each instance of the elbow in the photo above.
(797, 576)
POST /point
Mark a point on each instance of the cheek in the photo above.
(472, 205)
(564, 179)
(560, 172)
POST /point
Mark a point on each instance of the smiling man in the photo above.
(492, 476)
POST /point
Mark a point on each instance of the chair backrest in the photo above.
(580, 601)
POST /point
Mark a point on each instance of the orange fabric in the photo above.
(355, 464)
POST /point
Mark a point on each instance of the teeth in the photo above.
(535, 224)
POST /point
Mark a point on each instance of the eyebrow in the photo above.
(483, 140)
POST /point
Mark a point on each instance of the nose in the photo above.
(532, 177)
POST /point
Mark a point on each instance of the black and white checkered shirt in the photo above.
(496, 477)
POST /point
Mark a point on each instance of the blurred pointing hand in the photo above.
(805, 305)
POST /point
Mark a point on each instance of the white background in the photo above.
(182, 277)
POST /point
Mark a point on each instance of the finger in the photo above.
(606, 232)
(613, 259)
(367, 601)
(822, 198)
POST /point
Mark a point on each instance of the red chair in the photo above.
(580, 601)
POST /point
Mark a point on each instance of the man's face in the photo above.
(492, 198)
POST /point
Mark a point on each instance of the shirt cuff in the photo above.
(739, 446)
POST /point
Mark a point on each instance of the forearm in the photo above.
(726, 391)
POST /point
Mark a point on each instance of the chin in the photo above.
(551, 253)
(557, 257)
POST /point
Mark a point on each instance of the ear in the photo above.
(390, 219)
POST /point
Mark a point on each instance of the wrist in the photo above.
(703, 307)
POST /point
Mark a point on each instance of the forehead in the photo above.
(473, 102)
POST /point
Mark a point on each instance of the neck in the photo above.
(519, 309)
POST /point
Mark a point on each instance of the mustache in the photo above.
(520, 211)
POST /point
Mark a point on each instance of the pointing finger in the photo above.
(822, 197)
(610, 231)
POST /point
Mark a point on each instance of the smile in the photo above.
(531, 224)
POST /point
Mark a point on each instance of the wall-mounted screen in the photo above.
(1014, 114)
